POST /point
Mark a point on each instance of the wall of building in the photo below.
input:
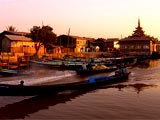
(6, 45)
(136, 47)
(80, 45)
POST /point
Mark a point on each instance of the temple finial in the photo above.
(139, 22)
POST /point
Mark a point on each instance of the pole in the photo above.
(68, 40)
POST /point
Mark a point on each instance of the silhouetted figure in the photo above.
(21, 82)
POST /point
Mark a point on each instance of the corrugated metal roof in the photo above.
(18, 38)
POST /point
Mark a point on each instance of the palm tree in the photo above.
(11, 28)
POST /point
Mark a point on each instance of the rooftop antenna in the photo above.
(68, 31)
(42, 24)
(139, 22)
(121, 36)
(68, 37)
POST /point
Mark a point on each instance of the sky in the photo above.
(85, 18)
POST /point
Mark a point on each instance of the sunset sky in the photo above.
(85, 18)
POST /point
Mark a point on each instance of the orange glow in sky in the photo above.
(85, 18)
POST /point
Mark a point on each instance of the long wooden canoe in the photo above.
(44, 90)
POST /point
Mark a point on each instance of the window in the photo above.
(132, 47)
(77, 42)
(138, 47)
(146, 47)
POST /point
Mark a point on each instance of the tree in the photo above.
(11, 28)
(100, 43)
(43, 36)
(47, 36)
(35, 35)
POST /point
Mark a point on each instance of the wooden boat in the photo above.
(11, 73)
(44, 90)
(59, 64)
(8, 72)
(51, 63)
(96, 71)
(8, 66)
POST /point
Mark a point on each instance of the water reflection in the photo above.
(23, 108)
(146, 63)
(138, 87)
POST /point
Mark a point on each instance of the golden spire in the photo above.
(138, 22)
(139, 30)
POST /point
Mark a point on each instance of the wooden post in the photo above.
(8, 61)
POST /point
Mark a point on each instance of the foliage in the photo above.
(42, 36)
(100, 42)
(11, 28)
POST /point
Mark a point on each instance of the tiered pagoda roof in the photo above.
(139, 31)
(138, 34)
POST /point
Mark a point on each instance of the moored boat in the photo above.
(8, 72)
(59, 64)
(95, 71)
(91, 83)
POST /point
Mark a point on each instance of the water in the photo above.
(137, 98)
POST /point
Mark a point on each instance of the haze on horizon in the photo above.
(86, 18)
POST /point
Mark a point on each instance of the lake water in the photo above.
(137, 98)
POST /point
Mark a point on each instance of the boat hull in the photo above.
(45, 90)
(89, 72)
(8, 72)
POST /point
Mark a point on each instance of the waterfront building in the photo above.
(66, 44)
(73, 44)
(81, 44)
(16, 44)
(105, 45)
(138, 43)
(99, 44)
(112, 44)
(158, 47)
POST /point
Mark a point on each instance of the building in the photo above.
(67, 44)
(16, 44)
(104, 45)
(82, 44)
(138, 43)
(73, 44)
(112, 44)
(158, 47)
(99, 45)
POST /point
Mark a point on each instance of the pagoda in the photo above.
(138, 43)
(139, 31)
